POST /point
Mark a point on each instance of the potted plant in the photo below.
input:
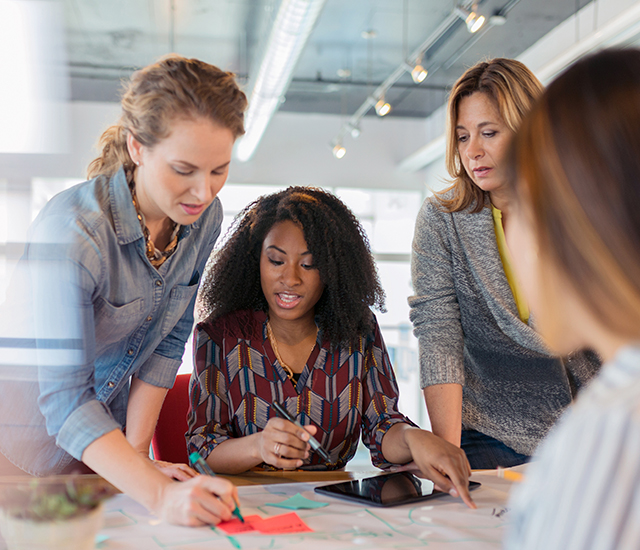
(60, 512)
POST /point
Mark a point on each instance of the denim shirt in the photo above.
(101, 313)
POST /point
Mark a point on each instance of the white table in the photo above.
(436, 524)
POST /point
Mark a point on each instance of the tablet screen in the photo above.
(386, 490)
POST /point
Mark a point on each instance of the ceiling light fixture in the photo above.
(407, 65)
(418, 73)
(339, 151)
(472, 18)
(418, 53)
(291, 29)
(382, 107)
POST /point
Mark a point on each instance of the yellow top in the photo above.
(518, 296)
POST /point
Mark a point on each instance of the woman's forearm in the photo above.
(235, 455)
(143, 410)
(112, 457)
(394, 445)
(197, 501)
(444, 405)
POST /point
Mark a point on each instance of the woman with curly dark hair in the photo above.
(287, 304)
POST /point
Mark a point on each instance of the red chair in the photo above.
(168, 440)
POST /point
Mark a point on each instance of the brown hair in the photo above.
(158, 94)
(513, 88)
(577, 165)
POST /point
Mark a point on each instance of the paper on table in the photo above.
(298, 502)
(276, 525)
(285, 523)
(235, 526)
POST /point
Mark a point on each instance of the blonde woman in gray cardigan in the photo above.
(490, 383)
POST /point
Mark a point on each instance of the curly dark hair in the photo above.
(340, 250)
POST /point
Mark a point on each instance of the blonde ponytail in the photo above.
(113, 144)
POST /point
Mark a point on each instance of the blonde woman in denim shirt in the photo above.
(112, 267)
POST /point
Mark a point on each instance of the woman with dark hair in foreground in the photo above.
(576, 246)
(288, 319)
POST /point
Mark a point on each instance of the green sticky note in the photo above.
(298, 502)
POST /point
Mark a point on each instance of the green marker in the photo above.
(203, 468)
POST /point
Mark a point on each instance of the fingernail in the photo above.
(453, 493)
(304, 436)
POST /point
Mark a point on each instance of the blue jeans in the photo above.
(487, 453)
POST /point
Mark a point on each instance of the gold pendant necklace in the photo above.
(156, 257)
(274, 345)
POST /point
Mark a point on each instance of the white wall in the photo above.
(295, 150)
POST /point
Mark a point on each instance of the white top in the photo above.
(583, 490)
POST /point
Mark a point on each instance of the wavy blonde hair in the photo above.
(514, 89)
(174, 87)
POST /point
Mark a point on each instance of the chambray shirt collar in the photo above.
(125, 217)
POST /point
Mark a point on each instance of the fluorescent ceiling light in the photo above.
(292, 27)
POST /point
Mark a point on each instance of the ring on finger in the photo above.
(276, 449)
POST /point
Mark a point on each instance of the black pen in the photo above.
(200, 466)
(312, 440)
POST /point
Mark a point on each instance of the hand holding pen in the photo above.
(285, 443)
(313, 442)
(200, 465)
(201, 500)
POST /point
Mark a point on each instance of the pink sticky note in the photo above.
(280, 525)
(235, 526)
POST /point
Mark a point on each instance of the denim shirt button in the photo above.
(130, 351)
(158, 282)
(111, 384)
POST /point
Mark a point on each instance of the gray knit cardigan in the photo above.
(469, 332)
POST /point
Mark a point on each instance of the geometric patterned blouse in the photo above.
(344, 393)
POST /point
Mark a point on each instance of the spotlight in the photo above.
(355, 132)
(471, 17)
(382, 107)
(339, 151)
(418, 73)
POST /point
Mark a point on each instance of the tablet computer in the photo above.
(386, 490)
